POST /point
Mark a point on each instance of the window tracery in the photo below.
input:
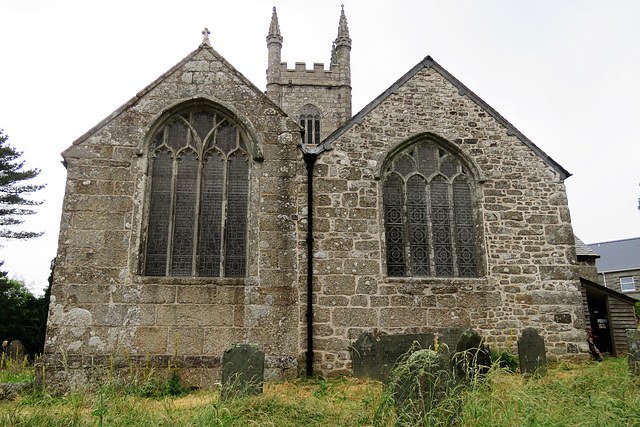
(310, 122)
(199, 167)
(428, 213)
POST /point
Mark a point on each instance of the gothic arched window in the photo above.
(310, 122)
(199, 170)
(428, 213)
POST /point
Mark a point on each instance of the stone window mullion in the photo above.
(452, 230)
(429, 227)
(196, 225)
(172, 212)
(189, 233)
(405, 229)
(223, 223)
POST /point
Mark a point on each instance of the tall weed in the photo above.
(569, 395)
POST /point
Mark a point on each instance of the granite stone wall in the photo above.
(103, 305)
(525, 242)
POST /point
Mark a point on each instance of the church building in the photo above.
(206, 212)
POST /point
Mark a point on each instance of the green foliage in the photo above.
(14, 188)
(322, 389)
(598, 394)
(16, 375)
(152, 385)
(637, 306)
(173, 387)
(505, 360)
(23, 316)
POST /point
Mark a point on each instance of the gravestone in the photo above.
(364, 357)
(532, 354)
(420, 382)
(633, 344)
(396, 347)
(448, 339)
(15, 352)
(372, 358)
(242, 371)
(471, 357)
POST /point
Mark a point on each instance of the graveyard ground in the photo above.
(590, 394)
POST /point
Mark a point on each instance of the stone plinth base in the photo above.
(60, 373)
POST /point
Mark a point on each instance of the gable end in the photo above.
(429, 62)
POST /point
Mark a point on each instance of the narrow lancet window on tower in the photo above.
(310, 122)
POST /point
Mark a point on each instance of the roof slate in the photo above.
(618, 254)
(582, 249)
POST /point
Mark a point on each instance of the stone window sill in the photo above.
(439, 280)
(168, 280)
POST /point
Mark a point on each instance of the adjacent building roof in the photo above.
(618, 255)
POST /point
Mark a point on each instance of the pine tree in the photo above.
(14, 187)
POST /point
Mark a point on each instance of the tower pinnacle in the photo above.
(274, 29)
(343, 31)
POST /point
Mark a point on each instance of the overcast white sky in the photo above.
(563, 72)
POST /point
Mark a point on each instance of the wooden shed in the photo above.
(610, 314)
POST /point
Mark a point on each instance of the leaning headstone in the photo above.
(419, 383)
(532, 354)
(633, 344)
(242, 371)
(15, 352)
(471, 357)
(375, 358)
(397, 347)
(448, 339)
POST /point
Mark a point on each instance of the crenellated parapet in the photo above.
(316, 76)
(328, 90)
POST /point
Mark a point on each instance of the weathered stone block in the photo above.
(194, 315)
(153, 339)
(354, 317)
(361, 267)
(403, 316)
(338, 285)
(558, 272)
(559, 234)
(185, 341)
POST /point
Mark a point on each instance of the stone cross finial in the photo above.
(206, 33)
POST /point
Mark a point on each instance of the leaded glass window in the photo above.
(199, 170)
(428, 214)
(310, 122)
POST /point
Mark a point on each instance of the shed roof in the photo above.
(618, 254)
(588, 284)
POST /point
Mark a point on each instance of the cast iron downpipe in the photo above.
(310, 159)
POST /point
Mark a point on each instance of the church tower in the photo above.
(319, 99)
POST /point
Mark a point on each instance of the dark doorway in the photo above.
(599, 314)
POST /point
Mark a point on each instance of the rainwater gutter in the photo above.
(310, 159)
(310, 155)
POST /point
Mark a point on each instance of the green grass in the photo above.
(15, 373)
(593, 394)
